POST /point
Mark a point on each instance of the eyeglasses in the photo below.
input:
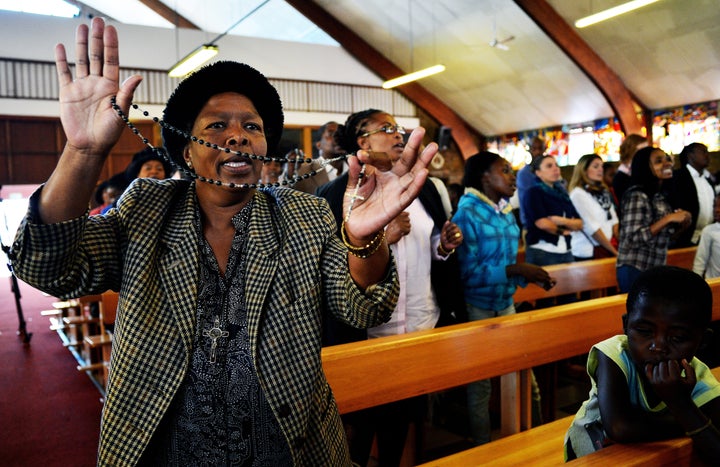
(389, 129)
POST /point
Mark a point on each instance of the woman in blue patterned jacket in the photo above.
(216, 351)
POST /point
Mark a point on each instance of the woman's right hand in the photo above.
(91, 125)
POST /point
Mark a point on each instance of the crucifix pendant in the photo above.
(355, 196)
(214, 334)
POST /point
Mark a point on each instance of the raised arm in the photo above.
(91, 126)
(384, 193)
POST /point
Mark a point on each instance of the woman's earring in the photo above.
(189, 164)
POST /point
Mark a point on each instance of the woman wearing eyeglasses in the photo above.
(422, 241)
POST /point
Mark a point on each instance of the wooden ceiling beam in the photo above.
(464, 136)
(169, 14)
(607, 81)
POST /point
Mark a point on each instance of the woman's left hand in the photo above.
(385, 190)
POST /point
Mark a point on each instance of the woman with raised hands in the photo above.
(223, 283)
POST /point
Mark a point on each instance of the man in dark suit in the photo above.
(693, 191)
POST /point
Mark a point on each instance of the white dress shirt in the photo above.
(417, 308)
(706, 196)
(707, 256)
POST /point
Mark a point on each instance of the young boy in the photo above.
(707, 256)
(646, 383)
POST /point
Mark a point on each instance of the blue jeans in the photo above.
(626, 275)
(478, 393)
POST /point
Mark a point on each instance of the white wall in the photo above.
(33, 37)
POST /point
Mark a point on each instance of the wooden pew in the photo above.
(543, 446)
(60, 310)
(82, 323)
(595, 274)
(540, 446)
(369, 373)
(98, 346)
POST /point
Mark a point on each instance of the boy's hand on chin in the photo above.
(669, 382)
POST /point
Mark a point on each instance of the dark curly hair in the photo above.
(117, 181)
(346, 135)
(194, 91)
(476, 166)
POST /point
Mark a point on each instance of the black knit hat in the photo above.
(194, 91)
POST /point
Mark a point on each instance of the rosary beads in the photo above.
(188, 173)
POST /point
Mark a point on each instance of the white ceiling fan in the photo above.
(500, 43)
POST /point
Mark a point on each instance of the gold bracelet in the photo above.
(698, 430)
(366, 251)
(443, 251)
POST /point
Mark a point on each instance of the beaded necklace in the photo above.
(298, 159)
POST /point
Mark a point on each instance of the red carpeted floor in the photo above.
(49, 412)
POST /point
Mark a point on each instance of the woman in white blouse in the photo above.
(593, 201)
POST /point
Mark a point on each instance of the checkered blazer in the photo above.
(147, 249)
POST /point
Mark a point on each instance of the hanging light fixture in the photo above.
(206, 51)
(193, 60)
(612, 12)
(415, 75)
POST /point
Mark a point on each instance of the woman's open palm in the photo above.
(91, 125)
(385, 193)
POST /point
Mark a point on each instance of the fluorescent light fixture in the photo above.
(193, 60)
(414, 76)
(612, 12)
(205, 52)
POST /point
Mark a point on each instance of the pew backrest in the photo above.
(373, 372)
(595, 274)
(543, 445)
